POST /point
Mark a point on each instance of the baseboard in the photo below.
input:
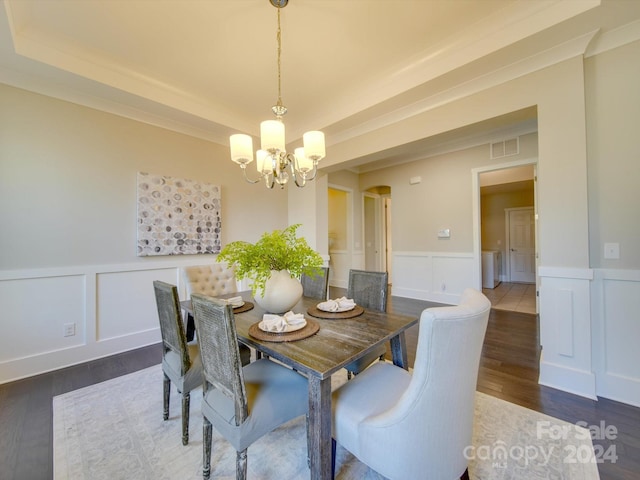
(571, 380)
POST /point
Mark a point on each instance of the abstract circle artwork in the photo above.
(177, 216)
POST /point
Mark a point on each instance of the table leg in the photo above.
(320, 427)
(191, 327)
(399, 351)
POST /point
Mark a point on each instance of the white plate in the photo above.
(238, 305)
(288, 329)
(339, 310)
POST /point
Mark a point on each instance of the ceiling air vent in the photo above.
(505, 148)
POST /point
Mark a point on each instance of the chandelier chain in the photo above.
(279, 38)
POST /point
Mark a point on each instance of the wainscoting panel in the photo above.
(433, 276)
(339, 265)
(616, 334)
(111, 307)
(35, 312)
(126, 302)
(565, 330)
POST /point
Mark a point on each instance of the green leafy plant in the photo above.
(278, 250)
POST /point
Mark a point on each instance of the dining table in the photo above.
(337, 342)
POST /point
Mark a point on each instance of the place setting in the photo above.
(238, 303)
(339, 308)
(283, 328)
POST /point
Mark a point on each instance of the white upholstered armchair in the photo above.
(417, 425)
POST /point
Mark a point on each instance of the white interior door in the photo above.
(522, 251)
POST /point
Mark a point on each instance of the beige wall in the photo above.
(613, 123)
(68, 183)
(442, 199)
(558, 92)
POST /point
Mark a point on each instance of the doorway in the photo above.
(505, 228)
(376, 216)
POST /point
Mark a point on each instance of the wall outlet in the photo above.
(69, 329)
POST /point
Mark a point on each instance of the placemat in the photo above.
(309, 329)
(356, 311)
(244, 308)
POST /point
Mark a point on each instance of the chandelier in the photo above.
(273, 163)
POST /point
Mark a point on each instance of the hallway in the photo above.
(515, 297)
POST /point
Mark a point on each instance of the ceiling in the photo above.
(208, 67)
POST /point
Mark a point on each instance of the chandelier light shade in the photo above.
(273, 163)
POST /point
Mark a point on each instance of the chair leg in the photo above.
(186, 398)
(241, 465)
(166, 391)
(333, 458)
(465, 475)
(308, 442)
(206, 448)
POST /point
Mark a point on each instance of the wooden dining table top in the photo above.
(337, 343)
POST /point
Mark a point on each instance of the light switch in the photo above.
(612, 251)
(444, 233)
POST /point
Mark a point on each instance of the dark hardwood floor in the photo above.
(508, 370)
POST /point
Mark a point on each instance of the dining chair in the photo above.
(414, 425)
(369, 290)
(242, 403)
(316, 286)
(212, 280)
(181, 363)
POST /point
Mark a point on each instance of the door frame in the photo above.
(378, 229)
(475, 195)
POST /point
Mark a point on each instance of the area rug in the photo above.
(114, 430)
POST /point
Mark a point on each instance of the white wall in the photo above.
(68, 227)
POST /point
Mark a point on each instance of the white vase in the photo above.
(281, 292)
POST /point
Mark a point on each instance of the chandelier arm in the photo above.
(267, 183)
(293, 166)
(244, 172)
(315, 171)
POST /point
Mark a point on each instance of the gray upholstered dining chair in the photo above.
(369, 290)
(181, 362)
(242, 403)
(417, 425)
(316, 286)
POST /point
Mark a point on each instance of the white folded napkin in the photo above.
(235, 301)
(341, 304)
(276, 323)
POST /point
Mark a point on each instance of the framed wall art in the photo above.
(177, 216)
